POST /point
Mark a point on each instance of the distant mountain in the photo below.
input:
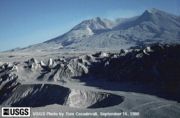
(152, 26)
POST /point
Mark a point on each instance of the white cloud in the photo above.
(122, 13)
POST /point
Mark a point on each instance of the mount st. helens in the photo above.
(152, 26)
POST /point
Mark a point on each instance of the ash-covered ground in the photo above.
(144, 80)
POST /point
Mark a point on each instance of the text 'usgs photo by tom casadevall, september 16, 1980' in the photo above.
(90, 58)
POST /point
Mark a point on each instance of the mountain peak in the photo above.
(94, 24)
(150, 12)
(152, 15)
(96, 19)
(153, 10)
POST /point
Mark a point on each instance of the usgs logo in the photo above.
(15, 112)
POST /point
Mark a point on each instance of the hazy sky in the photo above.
(26, 22)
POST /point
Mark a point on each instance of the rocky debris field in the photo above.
(156, 66)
